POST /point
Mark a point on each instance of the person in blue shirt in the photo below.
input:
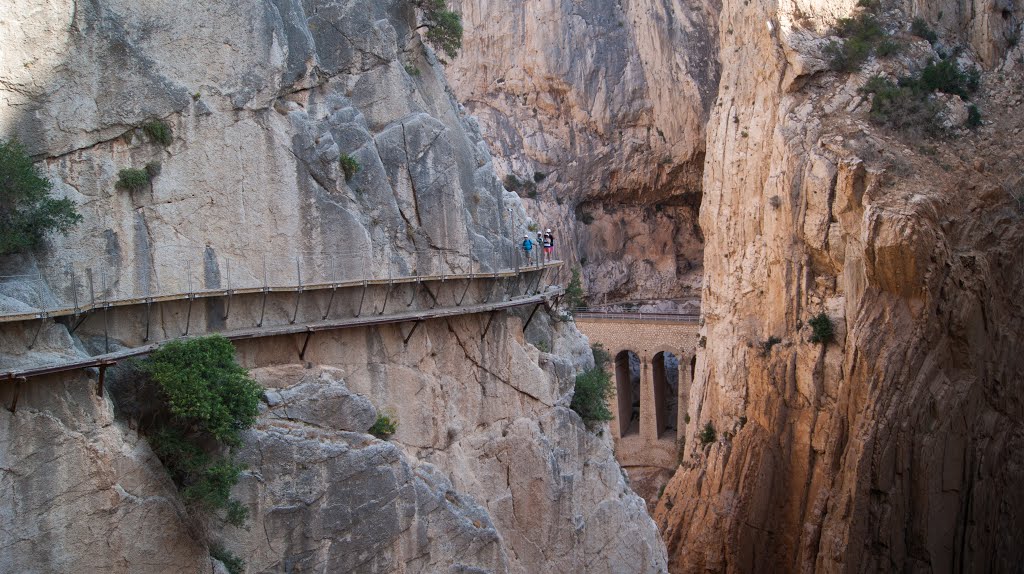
(527, 246)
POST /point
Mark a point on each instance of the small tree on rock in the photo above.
(27, 212)
(443, 26)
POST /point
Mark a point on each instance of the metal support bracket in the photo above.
(334, 289)
(432, 296)
(298, 294)
(149, 302)
(464, 291)
(17, 391)
(532, 313)
(106, 329)
(361, 299)
(305, 344)
(487, 327)
(188, 316)
(415, 292)
(103, 371)
(386, 295)
(42, 320)
(411, 331)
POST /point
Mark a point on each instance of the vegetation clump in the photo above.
(821, 329)
(384, 427)
(908, 103)
(863, 36)
(208, 400)
(158, 132)
(27, 212)
(132, 179)
(232, 562)
(593, 390)
(574, 290)
(443, 26)
(920, 28)
(766, 346)
(349, 166)
(708, 434)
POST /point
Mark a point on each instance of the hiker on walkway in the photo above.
(527, 247)
(549, 244)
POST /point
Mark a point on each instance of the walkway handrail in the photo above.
(82, 307)
(291, 329)
(587, 313)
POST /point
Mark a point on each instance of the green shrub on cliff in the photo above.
(443, 26)
(208, 401)
(385, 426)
(27, 212)
(574, 295)
(593, 390)
(821, 329)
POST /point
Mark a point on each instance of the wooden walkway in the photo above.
(103, 361)
(294, 288)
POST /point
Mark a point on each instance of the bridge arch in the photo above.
(627, 392)
(665, 367)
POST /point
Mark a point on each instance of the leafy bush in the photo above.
(158, 132)
(539, 176)
(349, 165)
(153, 169)
(920, 28)
(233, 563)
(593, 390)
(205, 388)
(821, 329)
(574, 290)
(908, 104)
(973, 116)
(208, 400)
(533, 226)
(384, 426)
(444, 27)
(412, 70)
(27, 212)
(862, 35)
(132, 179)
(707, 434)
(948, 77)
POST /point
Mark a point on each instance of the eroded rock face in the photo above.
(606, 101)
(263, 100)
(506, 478)
(82, 493)
(896, 446)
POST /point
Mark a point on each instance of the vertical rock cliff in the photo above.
(897, 445)
(599, 108)
(489, 471)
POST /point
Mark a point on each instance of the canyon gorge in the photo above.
(830, 283)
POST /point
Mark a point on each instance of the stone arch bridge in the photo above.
(649, 410)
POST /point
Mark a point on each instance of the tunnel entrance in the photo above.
(627, 387)
(666, 393)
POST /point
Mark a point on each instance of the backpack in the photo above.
(527, 244)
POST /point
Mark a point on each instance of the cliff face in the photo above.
(489, 469)
(608, 102)
(897, 446)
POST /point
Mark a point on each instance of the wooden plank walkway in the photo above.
(109, 359)
(206, 293)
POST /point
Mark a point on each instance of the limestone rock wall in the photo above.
(896, 447)
(607, 100)
(489, 469)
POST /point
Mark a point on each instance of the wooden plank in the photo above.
(255, 333)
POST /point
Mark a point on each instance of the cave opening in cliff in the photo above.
(666, 393)
(627, 388)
